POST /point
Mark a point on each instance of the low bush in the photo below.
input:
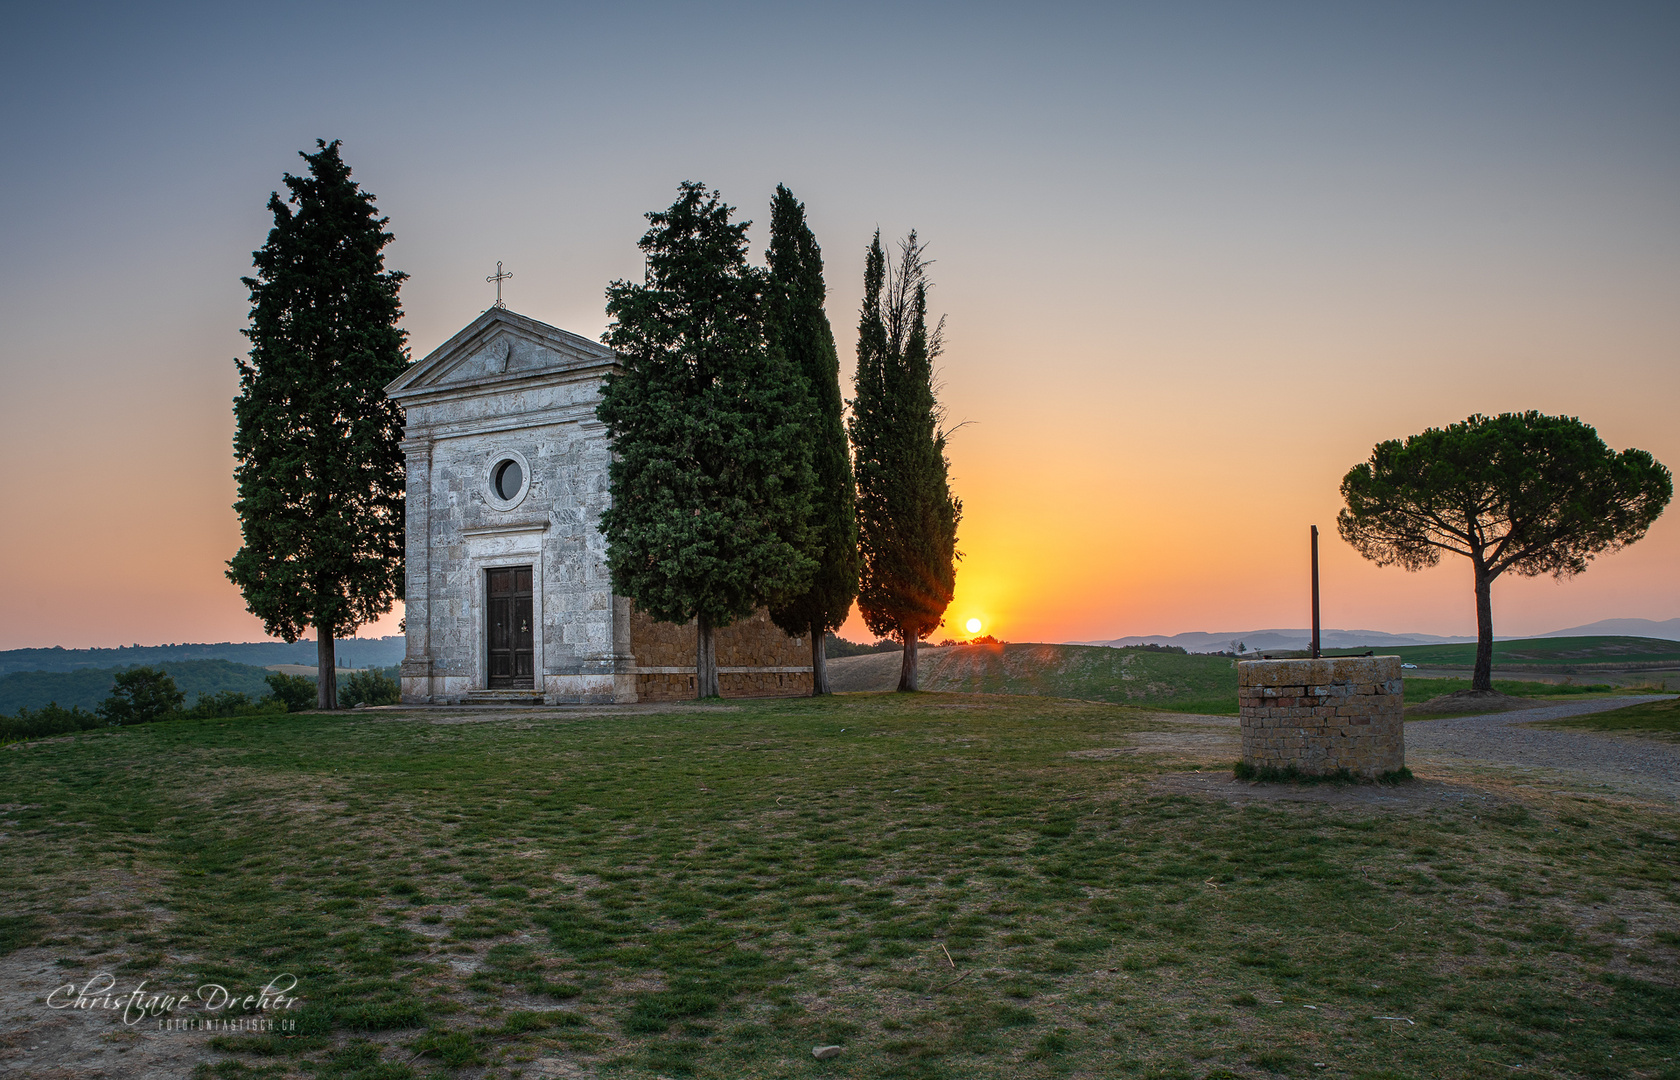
(233, 703)
(370, 687)
(141, 696)
(49, 719)
(296, 692)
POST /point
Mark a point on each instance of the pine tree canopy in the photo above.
(907, 517)
(799, 325)
(711, 474)
(1524, 492)
(319, 469)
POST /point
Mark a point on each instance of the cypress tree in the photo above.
(316, 440)
(907, 517)
(799, 325)
(711, 470)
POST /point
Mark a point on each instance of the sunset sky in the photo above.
(1196, 260)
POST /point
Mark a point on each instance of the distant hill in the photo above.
(1175, 681)
(87, 687)
(354, 652)
(1280, 640)
(1645, 628)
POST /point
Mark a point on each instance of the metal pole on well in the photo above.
(1315, 591)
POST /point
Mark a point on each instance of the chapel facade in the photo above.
(508, 593)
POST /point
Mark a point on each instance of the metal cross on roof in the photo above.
(498, 277)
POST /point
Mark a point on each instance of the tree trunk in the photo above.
(1482, 679)
(907, 674)
(326, 669)
(705, 663)
(819, 661)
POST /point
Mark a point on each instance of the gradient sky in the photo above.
(1196, 258)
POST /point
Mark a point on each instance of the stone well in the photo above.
(1323, 715)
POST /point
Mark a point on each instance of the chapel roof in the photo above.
(499, 346)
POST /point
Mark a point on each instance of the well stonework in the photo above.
(1323, 715)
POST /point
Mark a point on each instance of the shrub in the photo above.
(296, 692)
(49, 719)
(370, 687)
(140, 696)
(233, 703)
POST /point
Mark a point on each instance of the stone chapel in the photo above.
(508, 594)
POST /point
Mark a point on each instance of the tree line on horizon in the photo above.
(738, 480)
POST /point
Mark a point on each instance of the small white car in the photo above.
(1413, 666)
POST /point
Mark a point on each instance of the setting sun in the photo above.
(974, 626)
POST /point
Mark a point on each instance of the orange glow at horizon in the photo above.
(1193, 269)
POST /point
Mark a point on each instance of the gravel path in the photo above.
(1622, 763)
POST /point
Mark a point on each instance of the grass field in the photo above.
(1541, 652)
(1423, 689)
(1162, 680)
(1651, 718)
(1175, 682)
(946, 886)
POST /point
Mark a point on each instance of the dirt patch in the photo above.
(1196, 745)
(44, 1043)
(1473, 701)
(1415, 794)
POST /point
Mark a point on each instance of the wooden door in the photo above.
(508, 628)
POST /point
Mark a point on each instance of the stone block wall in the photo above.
(755, 659)
(1323, 715)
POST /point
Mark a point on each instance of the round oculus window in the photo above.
(508, 478)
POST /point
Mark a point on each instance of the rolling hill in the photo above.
(87, 687)
(1173, 681)
(352, 652)
(1646, 628)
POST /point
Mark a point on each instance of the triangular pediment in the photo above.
(500, 346)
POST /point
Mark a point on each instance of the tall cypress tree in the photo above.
(711, 470)
(907, 517)
(319, 469)
(799, 325)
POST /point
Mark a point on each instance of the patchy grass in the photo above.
(1174, 681)
(1651, 718)
(930, 881)
(1421, 690)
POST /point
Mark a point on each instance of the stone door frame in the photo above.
(499, 548)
